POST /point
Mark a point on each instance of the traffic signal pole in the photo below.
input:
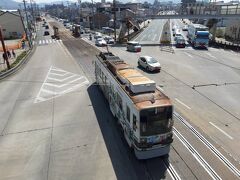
(4, 49)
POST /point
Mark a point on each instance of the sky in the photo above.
(47, 1)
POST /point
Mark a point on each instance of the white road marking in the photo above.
(50, 41)
(46, 91)
(43, 41)
(210, 55)
(40, 42)
(42, 85)
(61, 80)
(143, 37)
(230, 137)
(59, 86)
(56, 74)
(154, 37)
(182, 103)
(189, 55)
(46, 41)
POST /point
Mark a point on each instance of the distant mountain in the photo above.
(9, 4)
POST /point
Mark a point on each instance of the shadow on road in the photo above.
(124, 163)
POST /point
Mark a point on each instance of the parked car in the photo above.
(46, 33)
(149, 63)
(100, 42)
(46, 27)
(133, 46)
(109, 39)
(180, 42)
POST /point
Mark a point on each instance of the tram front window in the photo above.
(156, 120)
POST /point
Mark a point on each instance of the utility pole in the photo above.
(4, 49)
(33, 16)
(114, 20)
(92, 16)
(28, 29)
(80, 6)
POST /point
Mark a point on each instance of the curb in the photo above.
(19, 65)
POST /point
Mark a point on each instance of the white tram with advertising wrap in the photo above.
(144, 112)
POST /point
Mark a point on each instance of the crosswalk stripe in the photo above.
(40, 42)
(43, 41)
(46, 41)
(50, 41)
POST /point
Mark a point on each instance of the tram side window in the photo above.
(128, 114)
(119, 101)
(134, 122)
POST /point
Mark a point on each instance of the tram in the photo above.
(143, 111)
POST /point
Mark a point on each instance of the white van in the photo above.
(177, 34)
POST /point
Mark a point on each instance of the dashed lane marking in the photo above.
(189, 55)
(226, 134)
(182, 103)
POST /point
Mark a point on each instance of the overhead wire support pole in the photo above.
(28, 29)
(4, 49)
(114, 20)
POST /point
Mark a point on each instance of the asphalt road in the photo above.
(152, 33)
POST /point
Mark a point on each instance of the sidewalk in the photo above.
(223, 43)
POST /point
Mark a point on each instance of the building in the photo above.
(232, 31)
(11, 24)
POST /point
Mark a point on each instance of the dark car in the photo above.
(46, 27)
(180, 42)
(46, 33)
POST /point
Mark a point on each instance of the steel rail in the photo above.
(174, 175)
(225, 161)
(197, 156)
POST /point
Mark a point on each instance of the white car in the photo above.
(109, 39)
(185, 28)
(100, 42)
(149, 63)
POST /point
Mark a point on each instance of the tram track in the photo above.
(172, 172)
(200, 137)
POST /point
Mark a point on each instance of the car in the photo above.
(87, 30)
(46, 33)
(100, 42)
(133, 46)
(180, 42)
(177, 34)
(149, 63)
(109, 39)
(97, 35)
(46, 27)
(185, 28)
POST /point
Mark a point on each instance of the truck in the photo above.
(56, 33)
(76, 30)
(198, 35)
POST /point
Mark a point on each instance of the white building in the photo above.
(11, 25)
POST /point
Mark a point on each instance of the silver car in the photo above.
(149, 63)
(100, 42)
